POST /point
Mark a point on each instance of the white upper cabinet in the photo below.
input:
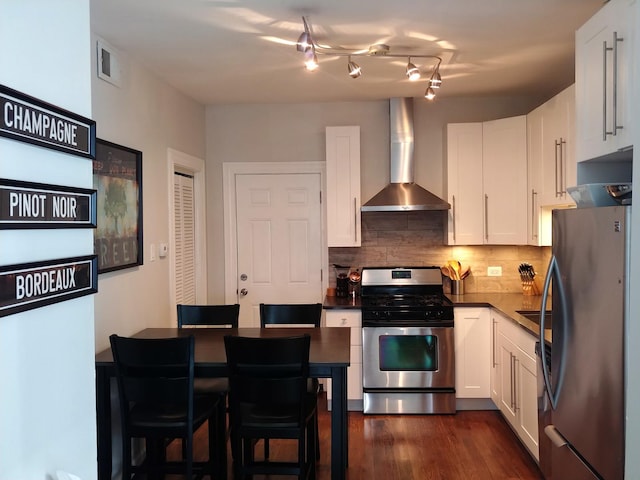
(487, 182)
(343, 186)
(604, 80)
(464, 173)
(551, 162)
(504, 163)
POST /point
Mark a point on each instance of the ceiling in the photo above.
(241, 51)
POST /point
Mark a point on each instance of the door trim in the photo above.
(184, 163)
(229, 172)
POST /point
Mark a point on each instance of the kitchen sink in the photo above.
(534, 316)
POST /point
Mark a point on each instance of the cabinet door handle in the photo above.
(355, 220)
(513, 381)
(605, 49)
(555, 167)
(453, 208)
(616, 127)
(534, 230)
(494, 328)
(614, 107)
(486, 217)
(563, 182)
(515, 384)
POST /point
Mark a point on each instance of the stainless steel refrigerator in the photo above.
(584, 383)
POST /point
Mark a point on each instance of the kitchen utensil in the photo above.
(465, 272)
(446, 271)
(454, 266)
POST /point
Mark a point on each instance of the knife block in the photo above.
(531, 287)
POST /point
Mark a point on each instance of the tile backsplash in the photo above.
(419, 239)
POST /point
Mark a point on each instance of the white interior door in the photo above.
(279, 241)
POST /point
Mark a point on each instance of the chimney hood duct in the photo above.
(402, 194)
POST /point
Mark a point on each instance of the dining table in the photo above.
(328, 358)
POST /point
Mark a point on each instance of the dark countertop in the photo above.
(507, 303)
(341, 303)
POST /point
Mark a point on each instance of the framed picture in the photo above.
(117, 179)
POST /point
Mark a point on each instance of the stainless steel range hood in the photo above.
(402, 194)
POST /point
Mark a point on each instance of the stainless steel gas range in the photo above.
(408, 359)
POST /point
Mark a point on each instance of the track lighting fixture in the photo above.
(353, 68)
(308, 46)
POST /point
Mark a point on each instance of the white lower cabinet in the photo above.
(514, 378)
(349, 318)
(472, 331)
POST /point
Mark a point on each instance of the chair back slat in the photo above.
(208, 315)
(303, 314)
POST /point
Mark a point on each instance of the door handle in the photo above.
(244, 292)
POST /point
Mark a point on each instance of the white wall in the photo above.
(296, 132)
(147, 115)
(47, 386)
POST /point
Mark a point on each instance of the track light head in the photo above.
(413, 73)
(310, 60)
(304, 43)
(353, 68)
(429, 94)
(436, 80)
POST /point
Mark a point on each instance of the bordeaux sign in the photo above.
(33, 285)
(37, 205)
(28, 119)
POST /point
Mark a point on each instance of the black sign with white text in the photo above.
(33, 285)
(28, 119)
(38, 205)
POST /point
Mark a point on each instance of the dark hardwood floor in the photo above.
(470, 445)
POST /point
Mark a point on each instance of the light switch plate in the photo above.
(152, 252)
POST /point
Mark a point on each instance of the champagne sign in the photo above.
(37, 205)
(33, 285)
(28, 119)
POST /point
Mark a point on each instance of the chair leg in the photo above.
(218, 444)
(317, 439)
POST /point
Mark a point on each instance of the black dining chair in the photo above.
(294, 315)
(218, 316)
(268, 399)
(157, 403)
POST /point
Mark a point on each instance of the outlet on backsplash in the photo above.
(494, 271)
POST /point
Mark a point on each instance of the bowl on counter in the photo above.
(601, 194)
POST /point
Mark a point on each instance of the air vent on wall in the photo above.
(108, 63)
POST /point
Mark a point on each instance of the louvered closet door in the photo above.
(184, 238)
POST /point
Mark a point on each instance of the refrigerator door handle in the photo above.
(554, 435)
(560, 314)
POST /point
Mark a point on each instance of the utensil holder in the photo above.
(457, 287)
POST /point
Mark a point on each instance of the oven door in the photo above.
(408, 358)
